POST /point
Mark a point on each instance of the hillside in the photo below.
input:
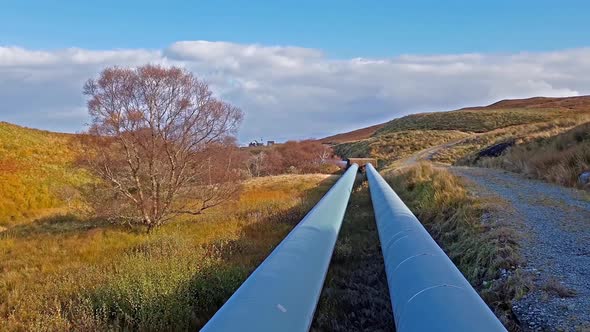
(36, 172)
(573, 103)
(462, 134)
(71, 272)
(352, 136)
(499, 114)
(471, 120)
(559, 159)
(65, 273)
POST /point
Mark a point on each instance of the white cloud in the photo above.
(292, 92)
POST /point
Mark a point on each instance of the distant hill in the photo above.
(352, 136)
(432, 120)
(466, 131)
(37, 171)
(574, 103)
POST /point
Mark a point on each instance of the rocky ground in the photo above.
(555, 223)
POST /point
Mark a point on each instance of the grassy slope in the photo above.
(497, 115)
(559, 159)
(521, 120)
(465, 152)
(35, 170)
(67, 274)
(469, 120)
(391, 146)
(352, 136)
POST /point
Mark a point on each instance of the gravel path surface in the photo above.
(555, 222)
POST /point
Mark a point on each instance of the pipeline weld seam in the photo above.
(420, 292)
(411, 257)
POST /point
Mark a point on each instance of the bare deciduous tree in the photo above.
(159, 143)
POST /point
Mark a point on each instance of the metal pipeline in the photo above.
(282, 293)
(428, 292)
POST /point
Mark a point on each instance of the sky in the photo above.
(298, 69)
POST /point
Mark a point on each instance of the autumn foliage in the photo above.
(308, 156)
(160, 143)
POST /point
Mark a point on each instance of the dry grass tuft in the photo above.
(554, 286)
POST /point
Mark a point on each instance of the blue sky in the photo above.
(298, 69)
(339, 28)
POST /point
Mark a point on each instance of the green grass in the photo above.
(36, 170)
(64, 273)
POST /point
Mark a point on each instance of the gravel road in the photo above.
(555, 222)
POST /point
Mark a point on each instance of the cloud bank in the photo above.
(292, 92)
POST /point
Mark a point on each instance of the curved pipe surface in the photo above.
(282, 293)
(428, 292)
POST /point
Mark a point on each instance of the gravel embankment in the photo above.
(555, 222)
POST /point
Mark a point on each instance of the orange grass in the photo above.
(63, 273)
